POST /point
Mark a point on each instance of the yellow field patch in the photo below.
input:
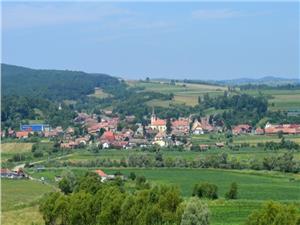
(188, 100)
(16, 147)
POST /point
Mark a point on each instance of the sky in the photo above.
(134, 40)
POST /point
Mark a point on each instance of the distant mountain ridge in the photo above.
(268, 80)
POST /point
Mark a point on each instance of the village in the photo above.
(110, 131)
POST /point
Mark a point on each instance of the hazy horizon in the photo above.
(196, 40)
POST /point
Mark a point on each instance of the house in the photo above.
(52, 133)
(108, 136)
(134, 142)
(102, 175)
(22, 134)
(220, 144)
(158, 124)
(160, 139)
(202, 127)
(197, 128)
(284, 128)
(181, 126)
(11, 132)
(69, 145)
(70, 130)
(241, 129)
(139, 131)
(203, 147)
(6, 173)
(35, 127)
(259, 131)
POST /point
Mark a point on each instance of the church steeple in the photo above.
(153, 116)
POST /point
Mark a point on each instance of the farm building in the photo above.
(35, 127)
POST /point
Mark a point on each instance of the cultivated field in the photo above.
(183, 93)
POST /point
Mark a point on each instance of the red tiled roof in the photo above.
(101, 173)
(20, 134)
(181, 122)
(158, 122)
(108, 135)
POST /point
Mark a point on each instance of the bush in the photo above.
(274, 213)
(206, 190)
(195, 212)
(233, 191)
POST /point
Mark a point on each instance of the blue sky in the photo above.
(195, 40)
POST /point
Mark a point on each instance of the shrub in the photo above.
(195, 212)
(233, 191)
(206, 190)
(274, 213)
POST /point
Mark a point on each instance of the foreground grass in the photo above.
(25, 216)
(17, 194)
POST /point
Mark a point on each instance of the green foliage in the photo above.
(132, 176)
(68, 182)
(196, 212)
(205, 190)
(273, 213)
(110, 205)
(233, 191)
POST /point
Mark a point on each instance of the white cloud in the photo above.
(215, 14)
(24, 15)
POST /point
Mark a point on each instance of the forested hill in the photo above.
(52, 84)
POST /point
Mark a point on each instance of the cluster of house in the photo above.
(106, 132)
(268, 129)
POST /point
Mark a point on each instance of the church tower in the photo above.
(153, 116)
